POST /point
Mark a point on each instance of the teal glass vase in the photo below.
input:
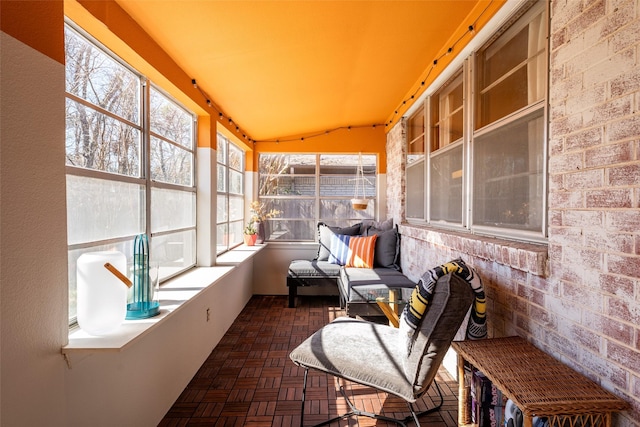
(143, 299)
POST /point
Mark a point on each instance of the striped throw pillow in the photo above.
(339, 249)
(361, 252)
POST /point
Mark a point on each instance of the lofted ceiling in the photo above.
(282, 68)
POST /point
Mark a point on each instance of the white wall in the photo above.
(273, 264)
(137, 385)
(33, 287)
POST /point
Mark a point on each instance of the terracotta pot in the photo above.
(250, 239)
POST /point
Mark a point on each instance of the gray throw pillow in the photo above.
(378, 225)
(387, 252)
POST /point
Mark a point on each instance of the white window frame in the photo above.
(318, 198)
(238, 223)
(125, 243)
(468, 64)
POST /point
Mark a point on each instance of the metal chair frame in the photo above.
(358, 412)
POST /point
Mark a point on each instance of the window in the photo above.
(508, 155)
(308, 188)
(486, 175)
(125, 178)
(445, 155)
(230, 214)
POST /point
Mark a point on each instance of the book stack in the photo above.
(487, 402)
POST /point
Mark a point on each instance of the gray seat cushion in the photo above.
(366, 284)
(305, 268)
(371, 354)
(357, 350)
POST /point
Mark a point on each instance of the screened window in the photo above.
(487, 176)
(445, 166)
(230, 214)
(125, 178)
(308, 188)
(416, 165)
(512, 69)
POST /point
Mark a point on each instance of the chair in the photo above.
(376, 355)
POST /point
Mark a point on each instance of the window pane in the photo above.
(236, 158)
(508, 181)
(291, 230)
(288, 185)
(451, 113)
(416, 139)
(512, 70)
(99, 209)
(415, 190)
(174, 252)
(236, 182)
(96, 77)
(285, 164)
(277, 174)
(236, 208)
(96, 141)
(222, 213)
(169, 120)
(338, 175)
(341, 208)
(236, 233)
(222, 149)
(345, 186)
(446, 121)
(445, 201)
(170, 163)
(332, 163)
(222, 237)
(506, 97)
(292, 208)
(222, 178)
(415, 131)
(172, 209)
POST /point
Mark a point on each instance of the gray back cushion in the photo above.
(451, 301)
(387, 252)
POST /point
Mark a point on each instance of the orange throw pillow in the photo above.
(361, 252)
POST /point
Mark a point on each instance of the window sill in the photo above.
(528, 257)
(173, 295)
(238, 255)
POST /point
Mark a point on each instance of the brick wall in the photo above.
(395, 171)
(594, 176)
(578, 297)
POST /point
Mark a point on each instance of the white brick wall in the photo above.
(582, 303)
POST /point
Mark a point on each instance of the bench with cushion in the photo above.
(359, 282)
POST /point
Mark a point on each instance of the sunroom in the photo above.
(503, 133)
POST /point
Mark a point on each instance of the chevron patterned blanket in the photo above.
(421, 296)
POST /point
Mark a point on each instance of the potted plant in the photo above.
(250, 234)
(259, 216)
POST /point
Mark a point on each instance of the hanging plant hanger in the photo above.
(360, 201)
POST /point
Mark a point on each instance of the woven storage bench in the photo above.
(540, 385)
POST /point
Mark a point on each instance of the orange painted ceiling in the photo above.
(282, 68)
